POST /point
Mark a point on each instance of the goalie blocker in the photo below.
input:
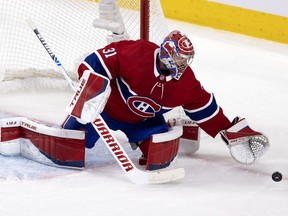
(41, 143)
(90, 97)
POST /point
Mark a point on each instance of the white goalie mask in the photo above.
(177, 53)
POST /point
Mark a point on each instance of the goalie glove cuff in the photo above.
(245, 145)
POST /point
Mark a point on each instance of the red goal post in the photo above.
(144, 19)
(68, 26)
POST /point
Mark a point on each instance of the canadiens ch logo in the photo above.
(143, 106)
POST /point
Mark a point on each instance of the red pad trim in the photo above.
(10, 133)
(160, 155)
(190, 132)
(62, 149)
(247, 131)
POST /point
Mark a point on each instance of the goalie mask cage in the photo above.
(68, 27)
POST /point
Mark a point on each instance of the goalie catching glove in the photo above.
(245, 144)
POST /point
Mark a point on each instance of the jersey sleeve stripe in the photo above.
(209, 117)
(205, 112)
(97, 64)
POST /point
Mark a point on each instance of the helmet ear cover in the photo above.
(176, 52)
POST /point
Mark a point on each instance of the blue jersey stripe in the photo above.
(204, 113)
(96, 65)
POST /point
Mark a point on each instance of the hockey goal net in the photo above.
(68, 28)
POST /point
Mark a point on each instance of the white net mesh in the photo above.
(67, 27)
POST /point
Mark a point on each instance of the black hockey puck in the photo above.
(277, 176)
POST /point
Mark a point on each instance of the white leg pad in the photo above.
(45, 144)
(10, 148)
(188, 146)
(190, 140)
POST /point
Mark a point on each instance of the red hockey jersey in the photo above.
(141, 91)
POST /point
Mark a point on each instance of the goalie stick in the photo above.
(134, 174)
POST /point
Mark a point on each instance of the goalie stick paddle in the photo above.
(134, 174)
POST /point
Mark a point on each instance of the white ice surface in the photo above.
(248, 76)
